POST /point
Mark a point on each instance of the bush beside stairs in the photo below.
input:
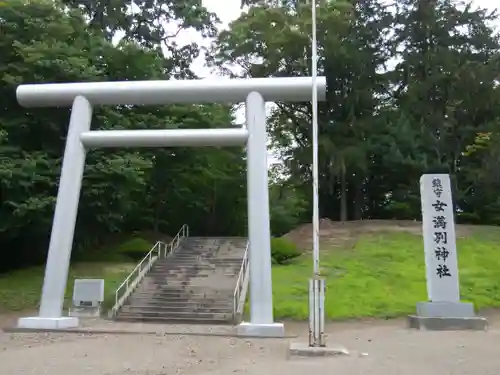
(195, 284)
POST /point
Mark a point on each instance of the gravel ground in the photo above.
(376, 348)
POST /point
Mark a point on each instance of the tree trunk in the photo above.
(156, 216)
(343, 196)
(358, 199)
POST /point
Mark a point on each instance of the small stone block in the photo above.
(34, 323)
(84, 312)
(261, 330)
(304, 350)
(475, 323)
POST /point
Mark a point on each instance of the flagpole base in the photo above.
(317, 312)
(298, 349)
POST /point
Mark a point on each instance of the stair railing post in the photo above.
(234, 311)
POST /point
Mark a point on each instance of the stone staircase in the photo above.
(194, 285)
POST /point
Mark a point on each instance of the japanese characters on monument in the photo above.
(438, 227)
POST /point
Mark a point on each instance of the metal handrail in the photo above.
(240, 285)
(140, 271)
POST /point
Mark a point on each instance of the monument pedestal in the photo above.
(446, 316)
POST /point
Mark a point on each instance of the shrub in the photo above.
(283, 250)
(135, 248)
(468, 218)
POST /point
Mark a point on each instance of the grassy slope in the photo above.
(20, 290)
(383, 275)
(379, 274)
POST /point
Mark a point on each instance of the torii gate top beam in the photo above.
(290, 89)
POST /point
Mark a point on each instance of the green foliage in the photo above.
(135, 248)
(385, 273)
(401, 210)
(468, 218)
(283, 250)
(286, 204)
(123, 190)
(383, 125)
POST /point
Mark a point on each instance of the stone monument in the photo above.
(443, 310)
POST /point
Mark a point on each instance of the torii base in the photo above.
(37, 322)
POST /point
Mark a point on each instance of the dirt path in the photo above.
(377, 348)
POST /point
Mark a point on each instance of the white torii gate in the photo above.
(83, 96)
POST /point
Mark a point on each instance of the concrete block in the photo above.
(445, 309)
(261, 330)
(474, 323)
(47, 323)
(304, 350)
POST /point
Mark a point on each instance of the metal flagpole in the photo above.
(316, 284)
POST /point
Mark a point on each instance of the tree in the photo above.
(445, 83)
(274, 40)
(409, 88)
(124, 190)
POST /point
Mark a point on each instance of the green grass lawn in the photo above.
(20, 290)
(384, 276)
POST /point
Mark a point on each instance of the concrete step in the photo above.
(181, 301)
(160, 294)
(159, 298)
(193, 285)
(198, 284)
(183, 274)
(187, 308)
(179, 315)
(180, 290)
(163, 277)
(186, 274)
(174, 320)
(180, 271)
(193, 267)
(198, 260)
(215, 254)
(174, 304)
(166, 289)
